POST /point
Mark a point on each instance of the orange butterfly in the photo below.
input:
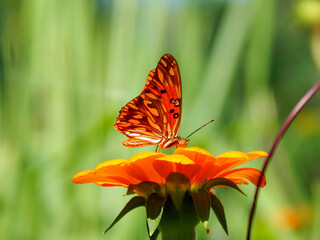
(154, 116)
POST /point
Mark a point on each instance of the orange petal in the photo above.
(110, 163)
(140, 168)
(175, 163)
(133, 171)
(239, 181)
(232, 155)
(232, 159)
(120, 172)
(83, 177)
(197, 155)
(186, 151)
(176, 158)
(257, 154)
(204, 173)
(114, 181)
(144, 155)
(238, 176)
(91, 176)
(112, 168)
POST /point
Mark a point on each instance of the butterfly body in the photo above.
(166, 142)
(153, 117)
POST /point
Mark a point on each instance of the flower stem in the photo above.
(303, 101)
(179, 224)
(179, 234)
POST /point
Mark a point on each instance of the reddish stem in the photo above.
(303, 101)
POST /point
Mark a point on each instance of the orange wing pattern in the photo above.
(154, 116)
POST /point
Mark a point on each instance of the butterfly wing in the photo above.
(155, 113)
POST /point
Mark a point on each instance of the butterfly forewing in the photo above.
(155, 113)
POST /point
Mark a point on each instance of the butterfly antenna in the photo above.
(200, 128)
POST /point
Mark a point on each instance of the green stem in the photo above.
(179, 224)
(179, 234)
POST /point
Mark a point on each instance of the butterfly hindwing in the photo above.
(155, 113)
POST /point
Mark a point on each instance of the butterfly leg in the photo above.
(157, 150)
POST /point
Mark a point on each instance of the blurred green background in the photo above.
(67, 67)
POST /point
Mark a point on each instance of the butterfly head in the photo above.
(183, 142)
(172, 142)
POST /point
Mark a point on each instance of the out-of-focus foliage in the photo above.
(67, 67)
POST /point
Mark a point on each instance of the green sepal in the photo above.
(202, 202)
(131, 189)
(134, 202)
(176, 186)
(217, 182)
(218, 210)
(154, 223)
(144, 188)
(154, 205)
(154, 236)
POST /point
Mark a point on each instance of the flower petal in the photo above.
(84, 177)
(185, 151)
(140, 168)
(110, 163)
(257, 154)
(194, 163)
(144, 155)
(175, 163)
(206, 171)
(198, 155)
(239, 175)
(91, 176)
(208, 163)
(232, 159)
(122, 172)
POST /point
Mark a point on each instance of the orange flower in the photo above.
(195, 163)
(170, 183)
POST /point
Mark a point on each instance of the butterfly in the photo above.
(153, 117)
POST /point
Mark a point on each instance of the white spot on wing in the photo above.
(149, 139)
(132, 134)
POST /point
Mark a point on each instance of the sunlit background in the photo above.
(67, 68)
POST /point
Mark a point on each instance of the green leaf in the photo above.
(135, 202)
(217, 182)
(218, 210)
(202, 202)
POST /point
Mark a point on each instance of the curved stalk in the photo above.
(303, 101)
